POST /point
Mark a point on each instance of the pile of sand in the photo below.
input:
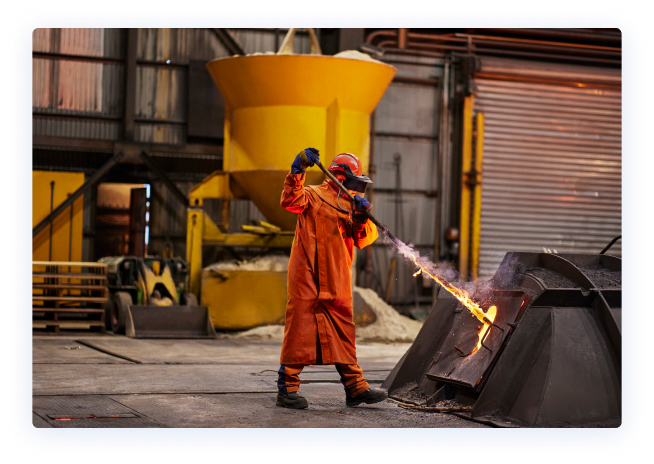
(356, 55)
(351, 54)
(390, 325)
(261, 263)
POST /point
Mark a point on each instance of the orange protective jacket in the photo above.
(319, 305)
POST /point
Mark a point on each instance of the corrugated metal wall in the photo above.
(551, 170)
(88, 91)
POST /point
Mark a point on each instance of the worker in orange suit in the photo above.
(319, 328)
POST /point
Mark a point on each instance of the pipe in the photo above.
(51, 207)
(70, 235)
(486, 44)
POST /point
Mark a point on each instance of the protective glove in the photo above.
(306, 157)
(360, 206)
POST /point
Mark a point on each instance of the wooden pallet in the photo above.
(69, 295)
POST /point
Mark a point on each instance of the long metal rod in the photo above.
(381, 226)
(70, 235)
(52, 184)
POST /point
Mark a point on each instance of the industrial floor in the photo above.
(89, 380)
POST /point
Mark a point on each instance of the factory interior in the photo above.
(204, 260)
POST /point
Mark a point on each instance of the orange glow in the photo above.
(490, 315)
(424, 266)
(458, 293)
(486, 318)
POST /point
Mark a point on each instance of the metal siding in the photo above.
(41, 40)
(414, 66)
(172, 134)
(258, 41)
(417, 214)
(76, 128)
(77, 88)
(201, 44)
(243, 212)
(161, 93)
(82, 41)
(407, 109)
(416, 166)
(183, 45)
(552, 169)
(41, 72)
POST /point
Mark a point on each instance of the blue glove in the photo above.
(310, 155)
(360, 206)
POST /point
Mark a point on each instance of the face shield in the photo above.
(352, 181)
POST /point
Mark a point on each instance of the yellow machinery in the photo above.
(275, 106)
(149, 299)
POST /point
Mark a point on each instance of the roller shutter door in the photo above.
(552, 168)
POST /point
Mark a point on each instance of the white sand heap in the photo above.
(356, 55)
(260, 263)
(390, 325)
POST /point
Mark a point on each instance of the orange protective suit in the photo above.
(319, 306)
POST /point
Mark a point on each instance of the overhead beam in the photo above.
(228, 41)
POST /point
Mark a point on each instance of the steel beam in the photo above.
(228, 41)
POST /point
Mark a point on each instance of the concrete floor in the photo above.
(224, 382)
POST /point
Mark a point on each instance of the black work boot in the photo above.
(291, 400)
(369, 396)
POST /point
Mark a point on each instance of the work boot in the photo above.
(291, 400)
(369, 396)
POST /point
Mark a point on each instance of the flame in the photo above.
(487, 318)
(424, 264)
(490, 315)
(458, 293)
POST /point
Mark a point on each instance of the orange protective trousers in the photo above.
(352, 378)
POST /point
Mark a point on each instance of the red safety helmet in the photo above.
(350, 165)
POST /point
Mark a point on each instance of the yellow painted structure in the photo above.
(472, 156)
(65, 183)
(202, 230)
(239, 300)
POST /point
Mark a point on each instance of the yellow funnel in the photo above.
(277, 105)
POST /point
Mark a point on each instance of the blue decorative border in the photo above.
(326, 442)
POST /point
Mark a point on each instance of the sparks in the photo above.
(417, 272)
